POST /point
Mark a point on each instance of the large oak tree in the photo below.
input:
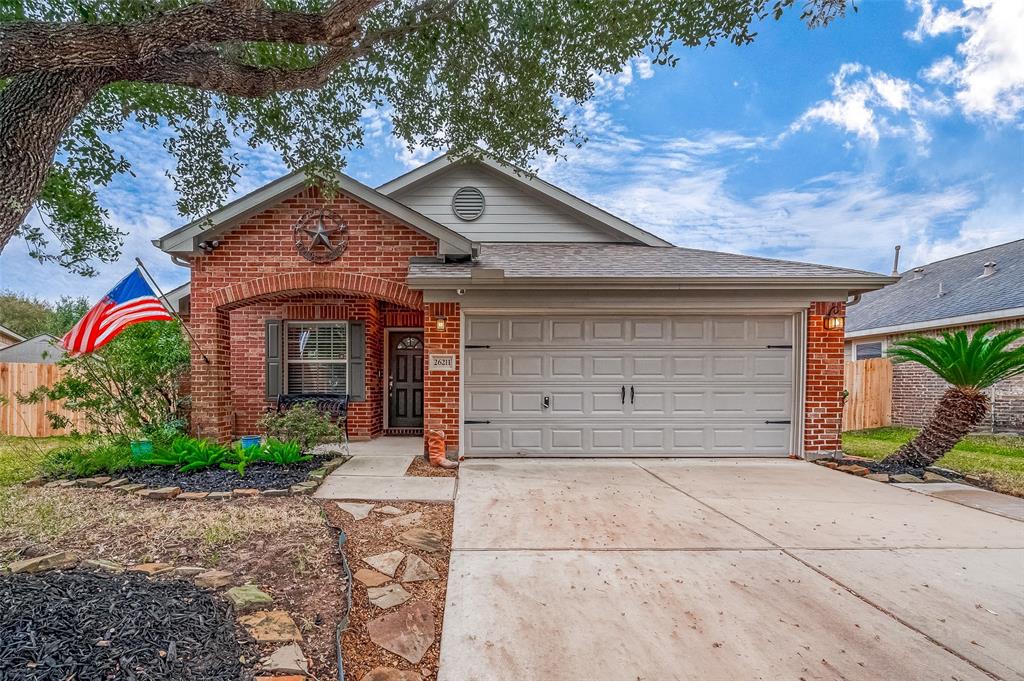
(297, 75)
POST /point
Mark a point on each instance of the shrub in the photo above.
(241, 457)
(283, 453)
(302, 424)
(89, 456)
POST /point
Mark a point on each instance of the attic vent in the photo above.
(468, 203)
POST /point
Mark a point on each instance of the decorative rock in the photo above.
(386, 563)
(303, 488)
(948, 472)
(391, 674)
(271, 626)
(70, 483)
(407, 632)
(389, 510)
(854, 469)
(275, 493)
(418, 570)
(52, 561)
(214, 579)
(159, 494)
(929, 476)
(152, 569)
(389, 596)
(192, 496)
(129, 489)
(246, 492)
(357, 511)
(189, 571)
(878, 477)
(370, 577)
(319, 474)
(96, 481)
(905, 477)
(287, 660)
(334, 464)
(218, 496)
(423, 539)
(116, 483)
(827, 464)
(248, 597)
(101, 564)
(407, 520)
(54, 483)
(35, 482)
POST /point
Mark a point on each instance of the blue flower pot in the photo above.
(251, 441)
(141, 448)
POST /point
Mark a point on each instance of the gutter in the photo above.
(853, 285)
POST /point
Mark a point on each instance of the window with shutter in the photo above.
(317, 357)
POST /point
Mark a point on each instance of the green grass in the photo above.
(22, 458)
(997, 458)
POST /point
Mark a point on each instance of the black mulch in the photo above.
(877, 467)
(89, 626)
(257, 476)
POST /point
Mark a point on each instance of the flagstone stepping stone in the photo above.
(407, 632)
(214, 579)
(357, 511)
(248, 597)
(407, 520)
(389, 596)
(101, 564)
(287, 660)
(386, 563)
(418, 570)
(391, 674)
(152, 569)
(421, 538)
(370, 577)
(274, 626)
(389, 510)
(52, 561)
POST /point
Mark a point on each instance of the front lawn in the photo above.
(22, 458)
(999, 459)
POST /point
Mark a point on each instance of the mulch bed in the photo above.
(88, 626)
(260, 475)
(421, 468)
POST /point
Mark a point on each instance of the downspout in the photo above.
(180, 262)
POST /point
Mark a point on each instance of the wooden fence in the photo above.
(30, 419)
(868, 383)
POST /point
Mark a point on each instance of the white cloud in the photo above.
(988, 71)
(871, 104)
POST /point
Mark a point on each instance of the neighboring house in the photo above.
(480, 301)
(8, 337)
(963, 292)
(41, 349)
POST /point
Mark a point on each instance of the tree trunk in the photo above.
(35, 111)
(957, 414)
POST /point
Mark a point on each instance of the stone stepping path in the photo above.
(422, 538)
(407, 632)
(287, 660)
(407, 520)
(370, 577)
(273, 626)
(357, 511)
(386, 563)
(391, 674)
(389, 596)
(248, 598)
(418, 570)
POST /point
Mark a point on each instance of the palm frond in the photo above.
(974, 362)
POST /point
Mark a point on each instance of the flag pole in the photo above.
(170, 309)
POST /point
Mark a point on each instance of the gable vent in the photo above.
(468, 203)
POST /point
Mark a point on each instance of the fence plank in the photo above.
(868, 383)
(29, 420)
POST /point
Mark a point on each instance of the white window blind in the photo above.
(316, 357)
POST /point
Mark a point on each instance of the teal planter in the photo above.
(141, 448)
(250, 441)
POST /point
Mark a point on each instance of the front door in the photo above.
(405, 382)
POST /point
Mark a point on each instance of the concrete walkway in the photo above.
(724, 570)
(377, 472)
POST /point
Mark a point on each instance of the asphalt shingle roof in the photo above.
(623, 260)
(964, 291)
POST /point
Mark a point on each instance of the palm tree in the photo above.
(969, 366)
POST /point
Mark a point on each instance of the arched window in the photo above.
(410, 343)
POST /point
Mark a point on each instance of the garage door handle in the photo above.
(623, 394)
(779, 422)
(779, 347)
(632, 394)
(470, 423)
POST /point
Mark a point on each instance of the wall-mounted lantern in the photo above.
(440, 322)
(834, 319)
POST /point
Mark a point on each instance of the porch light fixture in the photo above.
(834, 319)
(440, 322)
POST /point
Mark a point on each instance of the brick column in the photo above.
(823, 397)
(210, 383)
(441, 388)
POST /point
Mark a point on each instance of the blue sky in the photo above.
(902, 124)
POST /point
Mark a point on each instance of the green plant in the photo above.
(283, 453)
(302, 424)
(969, 365)
(87, 457)
(242, 457)
(196, 455)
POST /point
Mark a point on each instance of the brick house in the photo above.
(963, 292)
(519, 320)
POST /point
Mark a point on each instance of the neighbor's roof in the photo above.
(946, 293)
(11, 334)
(41, 349)
(584, 262)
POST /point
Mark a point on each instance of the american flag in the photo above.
(130, 302)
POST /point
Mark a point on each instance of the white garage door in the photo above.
(628, 386)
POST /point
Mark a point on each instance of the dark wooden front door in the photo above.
(405, 383)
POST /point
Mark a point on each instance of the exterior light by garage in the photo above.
(834, 320)
(440, 322)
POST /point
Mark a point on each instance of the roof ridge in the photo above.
(964, 255)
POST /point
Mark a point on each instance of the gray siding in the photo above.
(511, 213)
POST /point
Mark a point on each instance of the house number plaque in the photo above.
(442, 362)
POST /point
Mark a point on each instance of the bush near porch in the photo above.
(997, 459)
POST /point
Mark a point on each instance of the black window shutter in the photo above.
(273, 371)
(357, 361)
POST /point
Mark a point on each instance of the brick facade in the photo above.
(823, 397)
(441, 389)
(256, 274)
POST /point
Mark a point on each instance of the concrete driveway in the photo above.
(732, 570)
